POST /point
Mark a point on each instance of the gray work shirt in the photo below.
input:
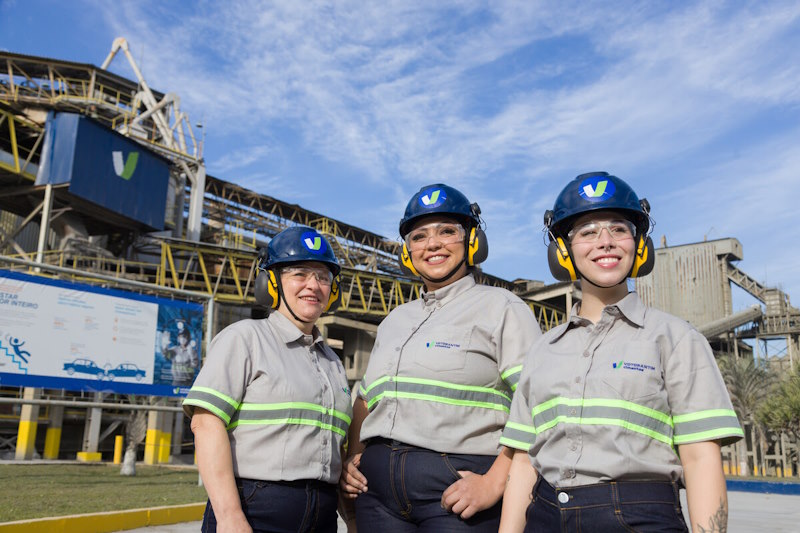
(443, 368)
(283, 396)
(609, 401)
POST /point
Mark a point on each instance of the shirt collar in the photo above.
(445, 294)
(631, 307)
(289, 332)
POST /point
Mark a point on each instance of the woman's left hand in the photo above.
(470, 494)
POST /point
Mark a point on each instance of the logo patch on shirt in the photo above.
(346, 390)
(442, 344)
(639, 367)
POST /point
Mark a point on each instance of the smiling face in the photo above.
(305, 293)
(607, 260)
(435, 258)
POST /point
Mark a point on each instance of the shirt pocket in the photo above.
(634, 371)
(441, 348)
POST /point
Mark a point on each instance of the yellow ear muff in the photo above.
(560, 262)
(405, 262)
(335, 298)
(645, 258)
(477, 247)
(266, 289)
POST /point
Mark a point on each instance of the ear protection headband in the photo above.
(267, 289)
(476, 251)
(563, 269)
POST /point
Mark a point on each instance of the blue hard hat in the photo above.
(439, 199)
(597, 191)
(297, 244)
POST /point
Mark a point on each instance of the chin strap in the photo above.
(282, 297)
(582, 277)
(447, 276)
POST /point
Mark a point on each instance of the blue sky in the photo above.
(347, 108)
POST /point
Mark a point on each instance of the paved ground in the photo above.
(749, 513)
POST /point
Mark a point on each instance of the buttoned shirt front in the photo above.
(283, 396)
(611, 400)
(443, 368)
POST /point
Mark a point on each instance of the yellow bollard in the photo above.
(118, 449)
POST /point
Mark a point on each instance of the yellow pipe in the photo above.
(52, 443)
(118, 449)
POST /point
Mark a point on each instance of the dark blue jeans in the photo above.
(283, 506)
(405, 490)
(606, 507)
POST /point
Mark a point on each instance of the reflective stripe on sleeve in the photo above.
(712, 424)
(435, 391)
(518, 436)
(221, 405)
(511, 376)
(600, 412)
(298, 413)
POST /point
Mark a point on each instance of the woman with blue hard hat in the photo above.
(623, 404)
(423, 446)
(271, 407)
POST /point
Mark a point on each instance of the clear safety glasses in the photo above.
(590, 232)
(444, 233)
(304, 274)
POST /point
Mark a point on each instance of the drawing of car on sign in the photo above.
(84, 366)
(126, 370)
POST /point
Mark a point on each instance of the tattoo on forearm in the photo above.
(718, 522)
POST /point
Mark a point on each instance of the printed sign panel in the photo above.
(61, 335)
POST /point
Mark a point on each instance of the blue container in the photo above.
(105, 168)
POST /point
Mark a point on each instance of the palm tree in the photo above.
(749, 383)
(781, 411)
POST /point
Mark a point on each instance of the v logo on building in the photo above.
(313, 244)
(591, 192)
(428, 200)
(125, 169)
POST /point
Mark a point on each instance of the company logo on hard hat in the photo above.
(432, 198)
(597, 189)
(313, 242)
(124, 168)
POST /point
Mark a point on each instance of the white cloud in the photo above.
(389, 90)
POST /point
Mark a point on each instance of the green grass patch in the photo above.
(39, 491)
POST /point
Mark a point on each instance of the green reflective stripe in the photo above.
(603, 412)
(511, 376)
(521, 427)
(603, 402)
(521, 435)
(294, 405)
(289, 414)
(605, 422)
(707, 424)
(438, 391)
(208, 407)
(700, 415)
(219, 395)
(211, 400)
(712, 434)
(517, 445)
(438, 399)
(513, 370)
(298, 421)
(379, 381)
